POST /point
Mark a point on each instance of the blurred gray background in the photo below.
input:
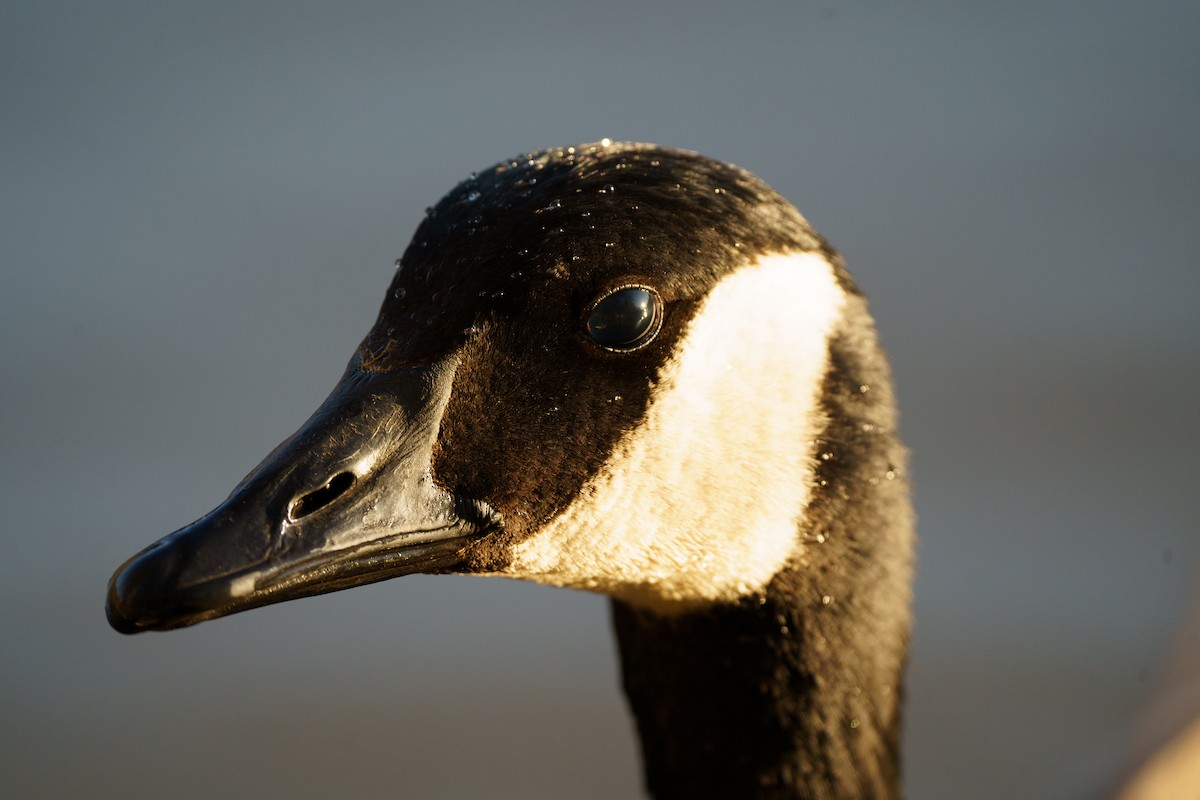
(200, 208)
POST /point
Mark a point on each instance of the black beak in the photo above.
(346, 500)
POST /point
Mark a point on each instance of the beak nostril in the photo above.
(314, 501)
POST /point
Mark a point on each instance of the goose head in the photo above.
(613, 367)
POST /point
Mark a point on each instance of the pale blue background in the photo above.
(200, 204)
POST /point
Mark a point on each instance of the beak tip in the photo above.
(116, 610)
(136, 596)
(120, 623)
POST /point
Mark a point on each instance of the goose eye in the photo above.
(625, 319)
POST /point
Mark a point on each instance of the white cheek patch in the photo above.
(700, 503)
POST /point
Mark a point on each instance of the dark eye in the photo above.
(625, 319)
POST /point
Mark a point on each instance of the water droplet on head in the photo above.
(608, 188)
(655, 162)
(472, 196)
(400, 293)
(605, 142)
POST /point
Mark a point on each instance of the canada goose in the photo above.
(632, 370)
